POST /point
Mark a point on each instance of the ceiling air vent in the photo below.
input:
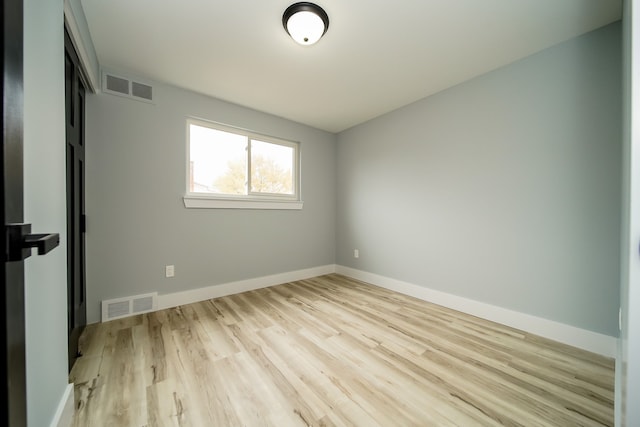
(129, 306)
(118, 85)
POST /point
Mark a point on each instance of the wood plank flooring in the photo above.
(331, 351)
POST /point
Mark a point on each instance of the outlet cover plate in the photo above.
(169, 271)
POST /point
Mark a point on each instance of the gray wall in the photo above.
(137, 222)
(504, 189)
(45, 208)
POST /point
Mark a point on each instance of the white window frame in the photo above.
(252, 200)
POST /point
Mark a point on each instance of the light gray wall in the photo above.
(504, 189)
(45, 208)
(137, 222)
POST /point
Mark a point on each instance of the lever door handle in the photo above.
(44, 242)
(19, 242)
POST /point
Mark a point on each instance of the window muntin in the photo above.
(230, 163)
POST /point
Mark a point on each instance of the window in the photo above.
(234, 168)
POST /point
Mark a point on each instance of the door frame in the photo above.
(14, 411)
(628, 360)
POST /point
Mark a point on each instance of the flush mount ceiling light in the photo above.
(305, 22)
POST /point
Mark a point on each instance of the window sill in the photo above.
(212, 203)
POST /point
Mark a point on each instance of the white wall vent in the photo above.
(122, 86)
(129, 306)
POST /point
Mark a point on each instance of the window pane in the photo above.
(271, 168)
(218, 161)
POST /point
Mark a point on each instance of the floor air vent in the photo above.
(130, 306)
(118, 85)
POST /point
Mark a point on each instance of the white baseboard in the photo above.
(587, 340)
(64, 414)
(202, 294)
(567, 334)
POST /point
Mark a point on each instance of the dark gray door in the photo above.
(74, 101)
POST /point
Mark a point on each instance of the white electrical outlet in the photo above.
(169, 270)
(356, 253)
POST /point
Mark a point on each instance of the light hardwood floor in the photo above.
(331, 351)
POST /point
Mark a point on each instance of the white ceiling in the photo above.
(376, 56)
